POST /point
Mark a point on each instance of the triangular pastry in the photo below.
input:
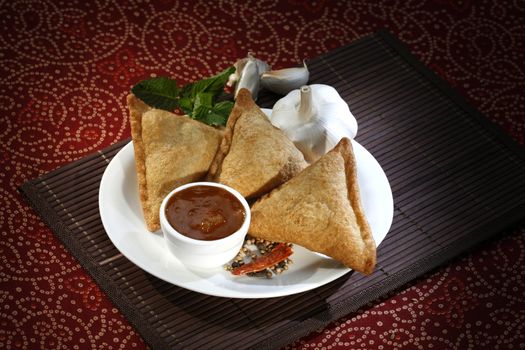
(254, 156)
(320, 209)
(170, 150)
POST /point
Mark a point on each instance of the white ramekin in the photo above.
(197, 253)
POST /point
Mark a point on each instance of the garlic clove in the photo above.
(262, 66)
(247, 74)
(239, 66)
(249, 78)
(283, 81)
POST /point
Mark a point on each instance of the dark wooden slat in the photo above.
(412, 237)
(59, 175)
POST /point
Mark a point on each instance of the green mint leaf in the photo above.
(187, 91)
(186, 104)
(203, 99)
(214, 85)
(199, 100)
(158, 92)
(215, 119)
(223, 108)
(217, 83)
(200, 113)
(216, 115)
(202, 106)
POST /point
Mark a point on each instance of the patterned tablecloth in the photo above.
(66, 67)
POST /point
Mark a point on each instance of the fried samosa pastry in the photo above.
(170, 151)
(320, 209)
(254, 156)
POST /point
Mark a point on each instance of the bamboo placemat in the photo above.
(456, 181)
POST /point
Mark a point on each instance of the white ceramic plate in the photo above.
(123, 220)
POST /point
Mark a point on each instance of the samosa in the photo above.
(170, 150)
(320, 209)
(254, 156)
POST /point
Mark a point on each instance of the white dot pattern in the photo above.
(66, 67)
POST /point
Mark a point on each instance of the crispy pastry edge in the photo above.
(344, 147)
(242, 103)
(136, 109)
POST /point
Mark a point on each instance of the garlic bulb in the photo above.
(315, 118)
(283, 81)
(247, 74)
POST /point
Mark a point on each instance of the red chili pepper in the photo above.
(280, 252)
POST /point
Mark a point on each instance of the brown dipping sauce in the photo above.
(205, 212)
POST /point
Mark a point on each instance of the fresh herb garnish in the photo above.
(160, 92)
(205, 110)
(200, 100)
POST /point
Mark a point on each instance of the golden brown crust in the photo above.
(320, 209)
(136, 109)
(254, 156)
(224, 148)
(170, 150)
(346, 150)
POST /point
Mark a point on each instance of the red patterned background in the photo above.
(66, 66)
